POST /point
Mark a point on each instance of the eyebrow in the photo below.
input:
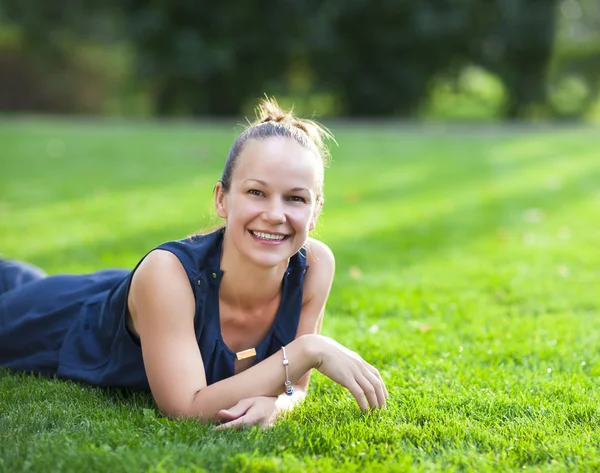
(263, 183)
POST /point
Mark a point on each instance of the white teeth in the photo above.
(268, 236)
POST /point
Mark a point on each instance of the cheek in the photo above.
(300, 216)
(246, 208)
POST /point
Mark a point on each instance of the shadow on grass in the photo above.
(402, 245)
(107, 162)
(58, 165)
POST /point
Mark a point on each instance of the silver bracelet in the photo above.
(289, 389)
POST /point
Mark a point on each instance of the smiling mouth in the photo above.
(268, 236)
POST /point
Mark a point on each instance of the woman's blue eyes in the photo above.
(293, 198)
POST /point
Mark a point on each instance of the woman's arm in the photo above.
(162, 307)
(264, 411)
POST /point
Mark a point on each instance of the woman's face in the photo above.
(272, 201)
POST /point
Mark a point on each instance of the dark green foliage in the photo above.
(370, 57)
(516, 43)
(49, 57)
(377, 57)
(380, 55)
(210, 58)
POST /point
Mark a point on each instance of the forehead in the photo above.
(278, 161)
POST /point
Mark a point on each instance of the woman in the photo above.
(222, 326)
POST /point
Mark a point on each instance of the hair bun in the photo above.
(268, 110)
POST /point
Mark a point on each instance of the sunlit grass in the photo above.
(467, 271)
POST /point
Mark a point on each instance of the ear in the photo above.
(220, 201)
(315, 217)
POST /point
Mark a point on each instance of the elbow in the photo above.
(190, 408)
(176, 411)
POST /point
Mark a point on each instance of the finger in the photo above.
(379, 387)
(247, 419)
(378, 376)
(236, 411)
(357, 391)
(234, 424)
(224, 415)
(250, 418)
(375, 371)
(369, 391)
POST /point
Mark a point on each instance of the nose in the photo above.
(274, 213)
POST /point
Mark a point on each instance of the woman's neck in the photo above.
(244, 284)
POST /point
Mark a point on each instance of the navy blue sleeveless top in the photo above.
(99, 349)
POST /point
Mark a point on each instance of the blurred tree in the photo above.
(49, 54)
(574, 82)
(514, 39)
(374, 57)
(210, 58)
(379, 55)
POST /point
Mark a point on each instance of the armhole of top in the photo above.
(181, 258)
(162, 248)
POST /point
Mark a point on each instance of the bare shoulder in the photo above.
(159, 276)
(318, 253)
(160, 260)
(321, 263)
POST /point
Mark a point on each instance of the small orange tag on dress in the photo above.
(242, 355)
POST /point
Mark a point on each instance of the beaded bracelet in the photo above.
(289, 389)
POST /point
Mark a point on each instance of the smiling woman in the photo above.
(223, 326)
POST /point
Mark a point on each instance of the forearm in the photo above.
(264, 379)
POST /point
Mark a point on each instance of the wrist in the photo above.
(285, 402)
(311, 350)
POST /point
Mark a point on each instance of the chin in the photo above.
(270, 257)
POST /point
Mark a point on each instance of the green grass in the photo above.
(468, 269)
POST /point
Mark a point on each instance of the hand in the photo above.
(348, 369)
(260, 411)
